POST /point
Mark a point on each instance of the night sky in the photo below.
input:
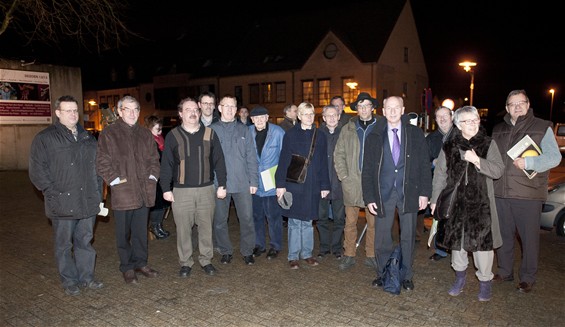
(517, 44)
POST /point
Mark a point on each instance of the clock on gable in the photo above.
(330, 51)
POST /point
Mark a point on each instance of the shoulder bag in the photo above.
(298, 168)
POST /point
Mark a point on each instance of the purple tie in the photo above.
(395, 146)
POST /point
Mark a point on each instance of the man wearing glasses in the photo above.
(519, 199)
(348, 162)
(61, 165)
(242, 181)
(207, 105)
(128, 162)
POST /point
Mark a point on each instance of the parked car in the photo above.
(559, 130)
(553, 210)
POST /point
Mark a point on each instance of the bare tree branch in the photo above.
(93, 23)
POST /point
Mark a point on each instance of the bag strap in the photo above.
(312, 145)
(463, 174)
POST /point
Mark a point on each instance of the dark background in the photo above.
(517, 44)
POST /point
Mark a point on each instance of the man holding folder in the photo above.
(268, 143)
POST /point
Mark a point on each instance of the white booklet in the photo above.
(526, 147)
(268, 178)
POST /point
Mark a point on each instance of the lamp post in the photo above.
(467, 66)
(552, 91)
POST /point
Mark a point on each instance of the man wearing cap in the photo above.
(267, 139)
(395, 176)
(348, 158)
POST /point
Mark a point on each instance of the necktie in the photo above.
(395, 146)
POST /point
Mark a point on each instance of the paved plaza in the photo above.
(265, 294)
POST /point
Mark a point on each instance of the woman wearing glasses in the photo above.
(473, 157)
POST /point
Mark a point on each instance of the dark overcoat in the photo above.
(306, 196)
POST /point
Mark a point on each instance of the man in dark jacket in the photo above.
(435, 141)
(519, 199)
(128, 161)
(395, 178)
(61, 165)
(192, 157)
(331, 214)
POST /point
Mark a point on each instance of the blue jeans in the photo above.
(300, 239)
(267, 207)
(74, 253)
(244, 209)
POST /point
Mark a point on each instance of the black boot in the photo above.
(157, 232)
(163, 231)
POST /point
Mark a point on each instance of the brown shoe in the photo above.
(130, 277)
(294, 264)
(524, 287)
(498, 278)
(311, 261)
(147, 272)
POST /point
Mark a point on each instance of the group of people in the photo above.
(368, 162)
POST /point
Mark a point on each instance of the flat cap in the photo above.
(258, 111)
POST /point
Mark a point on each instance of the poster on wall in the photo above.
(24, 97)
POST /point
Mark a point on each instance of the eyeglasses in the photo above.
(72, 111)
(130, 110)
(364, 106)
(516, 104)
(470, 122)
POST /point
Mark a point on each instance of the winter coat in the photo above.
(306, 197)
(64, 170)
(287, 123)
(269, 155)
(336, 192)
(240, 155)
(128, 152)
(474, 216)
(417, 173)
(347, 158)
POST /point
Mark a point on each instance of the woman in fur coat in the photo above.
(474, 224)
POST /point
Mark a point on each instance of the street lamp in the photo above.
(467, 66)
(552, 91)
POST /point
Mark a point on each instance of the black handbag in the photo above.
(298, 167)
(446, 200)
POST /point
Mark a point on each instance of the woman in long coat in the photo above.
(306, 196)
(474, 224)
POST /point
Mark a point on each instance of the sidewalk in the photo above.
(265, 294)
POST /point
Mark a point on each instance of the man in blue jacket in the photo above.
(267, 138)
(62, 166)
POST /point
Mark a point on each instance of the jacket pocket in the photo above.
(60, 204)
